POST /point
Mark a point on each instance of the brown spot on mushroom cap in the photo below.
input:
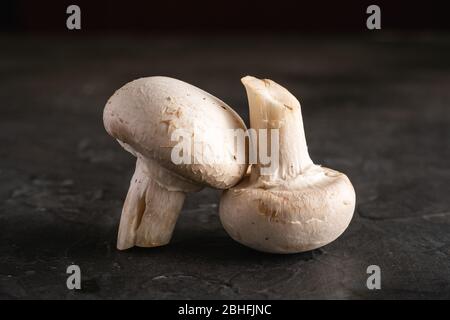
(267, 210)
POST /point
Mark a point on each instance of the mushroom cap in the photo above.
(144, 113)
(301, 215)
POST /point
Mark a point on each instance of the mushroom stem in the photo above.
(274, 107)
(150, 212)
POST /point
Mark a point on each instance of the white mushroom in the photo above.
(299, 206)
(143, 115)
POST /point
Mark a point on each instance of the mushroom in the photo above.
(298, 206)
(144, 116)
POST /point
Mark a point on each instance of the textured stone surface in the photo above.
(376, 108)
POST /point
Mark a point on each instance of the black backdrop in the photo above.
(217, 16)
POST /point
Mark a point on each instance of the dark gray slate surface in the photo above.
(375, 107)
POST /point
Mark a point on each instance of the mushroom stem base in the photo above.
(150, 212)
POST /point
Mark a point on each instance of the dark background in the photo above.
(375, 106)
(139, 16)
